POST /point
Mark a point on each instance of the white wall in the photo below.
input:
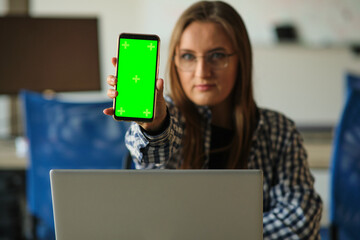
(306, 83)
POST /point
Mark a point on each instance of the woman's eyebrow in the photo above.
(216, 49)
(211, 50)
(185, 50)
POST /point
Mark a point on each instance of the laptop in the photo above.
(157, 204)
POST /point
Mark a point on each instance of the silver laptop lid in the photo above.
(157, 204)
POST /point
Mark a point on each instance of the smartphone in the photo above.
(136, 72)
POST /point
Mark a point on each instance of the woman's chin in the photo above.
(209, 101)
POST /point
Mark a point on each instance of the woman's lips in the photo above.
(204, 87)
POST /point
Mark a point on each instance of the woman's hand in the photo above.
(160, 104)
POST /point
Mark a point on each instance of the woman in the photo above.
(211, 121)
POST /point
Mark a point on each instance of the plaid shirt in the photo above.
(292, 208)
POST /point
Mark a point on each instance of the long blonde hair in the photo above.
(243, 104)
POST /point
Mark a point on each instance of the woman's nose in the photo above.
(203, 69)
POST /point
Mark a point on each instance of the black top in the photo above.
(220, 137)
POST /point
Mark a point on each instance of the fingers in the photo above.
(160, 91)
(111, 80)
(112, 93)
(108, 111)
(113, 61)
(160, 85)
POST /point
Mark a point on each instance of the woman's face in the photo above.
(203, 76)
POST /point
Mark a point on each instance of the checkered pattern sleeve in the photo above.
(159, 151)
(295, 208)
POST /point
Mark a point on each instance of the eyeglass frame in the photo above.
(227, 55)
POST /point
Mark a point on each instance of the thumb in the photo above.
(160, 101)
(160, 87)
(113, 61)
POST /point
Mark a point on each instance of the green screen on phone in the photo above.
(136, 74)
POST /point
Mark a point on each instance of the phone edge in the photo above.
(129, 119)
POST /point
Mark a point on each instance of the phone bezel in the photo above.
(141, 37)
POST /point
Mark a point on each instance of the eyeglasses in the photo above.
(187, 61)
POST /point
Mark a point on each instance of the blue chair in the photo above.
(345, 168)
(66, 135)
